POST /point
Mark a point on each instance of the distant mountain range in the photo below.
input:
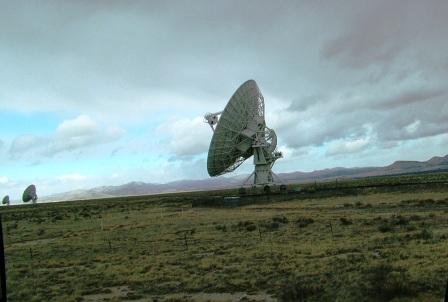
(436, 163)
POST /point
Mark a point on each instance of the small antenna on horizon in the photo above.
(30, 194)
(6, 200)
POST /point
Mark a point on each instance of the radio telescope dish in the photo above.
(241, 132)
(6, 200)
(30, 194)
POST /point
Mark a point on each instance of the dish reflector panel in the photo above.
(241, 132)
(29, 194)
(232, 138)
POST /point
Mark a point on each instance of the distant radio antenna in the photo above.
(241, 132)
(30, 194)
(6, 200)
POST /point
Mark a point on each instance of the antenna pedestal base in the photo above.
(263, 175)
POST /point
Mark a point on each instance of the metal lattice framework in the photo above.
(240, 133)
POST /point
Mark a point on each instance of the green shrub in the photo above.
(385, 227)
(39, 220)
(411, 228)
(399, 220)
(345, 221)
(426, 234)
(243, 224)
(296, 291)
(385, 283)
(221, 227)
(251, 227)
(270, 225)
(246, 225)
(57, 217)
(242, 191)
(280, 219)
(133, 296)
(426, 202)
(11, 226)
(304, 222)
(415, 217)
(283, 188)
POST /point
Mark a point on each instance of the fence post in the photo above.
(331, 229)
(2, 266)
(446, 292)
(186, 242)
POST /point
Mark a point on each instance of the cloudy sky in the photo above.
(106, 92)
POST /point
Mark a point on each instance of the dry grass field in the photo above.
(374, 246)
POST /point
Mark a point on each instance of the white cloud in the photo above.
(186, 137)
(81, 132)
(4, 180)
(25, 143)
(368, 64)
(412, 128)
(70, 135)
(113, 132)
(347, 146)
(82, 125)
(72, 177)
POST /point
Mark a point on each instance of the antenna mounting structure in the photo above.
(240, 131)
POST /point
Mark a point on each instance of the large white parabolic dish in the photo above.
(240, 133)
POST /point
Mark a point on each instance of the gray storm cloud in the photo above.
(336, 69)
